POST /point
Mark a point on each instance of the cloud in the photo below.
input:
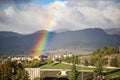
(84, 14)
(14, 1)
(73, 14)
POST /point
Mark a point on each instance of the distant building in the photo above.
(21, 59)
(43, 56)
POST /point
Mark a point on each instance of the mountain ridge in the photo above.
(90, 38)
(113, 31)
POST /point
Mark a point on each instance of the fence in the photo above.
(33, 72)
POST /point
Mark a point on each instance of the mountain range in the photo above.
(86, 39)
(113, 31)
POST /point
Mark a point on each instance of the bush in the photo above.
(114, 62)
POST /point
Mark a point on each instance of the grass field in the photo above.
(55, 66)
(66, 66)
(62, 66)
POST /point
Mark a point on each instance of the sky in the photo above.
(28, 16)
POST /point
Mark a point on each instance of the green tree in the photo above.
(92, 61)
(114, 62)
(99, 66)
(86, 63)
(5, 70)
(119, 61)
(77, 58)
(67, 59)
(35, 63)
(105, 61)
(106, 51)
(58, 60)
(49, 60)
(12, 71)
(73, 73)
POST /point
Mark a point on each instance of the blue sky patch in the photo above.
(44, 2)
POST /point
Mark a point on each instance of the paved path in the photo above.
(108, 67)
(65, 70)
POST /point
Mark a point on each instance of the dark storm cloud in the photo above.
(14, 1)
(117, 0)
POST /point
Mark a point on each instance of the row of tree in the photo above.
(109, 57)
(34, 63)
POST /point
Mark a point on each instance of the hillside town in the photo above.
(33, 65)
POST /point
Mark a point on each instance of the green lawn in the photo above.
(61, 66)
(55, 66)
(65, 66)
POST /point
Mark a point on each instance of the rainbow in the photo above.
(42, 39)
